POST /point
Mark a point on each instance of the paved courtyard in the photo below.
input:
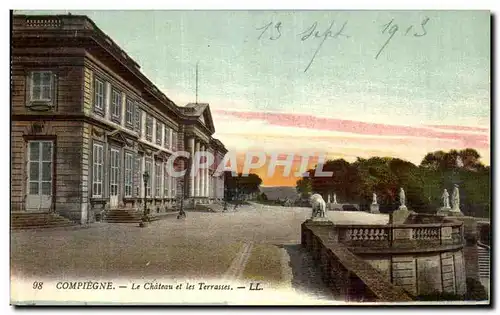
(255, 242)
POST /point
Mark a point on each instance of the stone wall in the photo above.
(350, 277)
(419, 258)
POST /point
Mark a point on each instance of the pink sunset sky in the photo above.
(276, 84)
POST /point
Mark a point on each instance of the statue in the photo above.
(446, 199)
(402, 198)
(318, 206)
(374, 207)
(455, 199)
(334, 199)
(328, 198)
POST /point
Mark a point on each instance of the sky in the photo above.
(343, 84)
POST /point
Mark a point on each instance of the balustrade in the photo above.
(386, 236)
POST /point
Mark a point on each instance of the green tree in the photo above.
(304, 187)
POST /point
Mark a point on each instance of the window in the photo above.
(174, 140)
(40, 167)
(129, 113)
(41, 86)
(138, 176)
(116, 106)
(158, 179)
(138, 118)
(159, 130)
(166, 137)
(148, 168)
(166, 183)
(99, 95)
(97, 166)
(129, 158)
(173, 186)
(114, 172)
(149, 127)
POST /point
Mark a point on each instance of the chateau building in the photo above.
(86, 124)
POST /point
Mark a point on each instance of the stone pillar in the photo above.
(197, 174)
(191, 178)
(203, 179)
(207, 179)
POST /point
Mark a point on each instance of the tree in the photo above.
(433, 160)
(304, 187)
(470, 159)
(237, 184)
(356, 182)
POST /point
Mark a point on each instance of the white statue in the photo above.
(402, 197)
(374, 201)
(318, 206)
(334, 199)
(328, 198)
(446, 199)
(455, 199)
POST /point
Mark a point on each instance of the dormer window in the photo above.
(41, 89)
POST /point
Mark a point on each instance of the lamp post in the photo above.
(145, 218)
(182, 214)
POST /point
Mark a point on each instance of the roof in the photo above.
(200, 112)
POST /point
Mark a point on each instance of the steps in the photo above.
(123, 216)
(33, 220)
(483, 259)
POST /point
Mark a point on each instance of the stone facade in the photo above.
(87, 124)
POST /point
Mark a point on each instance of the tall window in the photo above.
(166, 137)
(99, 95)
(40, 167)
(97, 166)
(129, 159)
(116, 106)
(42, 84)
(158, 179)
(166, 182)
(138, 176)
(159, 130)
(149, 127)
(173, 186)
(138, 118)
(114, 172)
(129, 113)
(174, 140)
(148, 165)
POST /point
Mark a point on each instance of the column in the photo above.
(207, 181)
(191, 178)
(197, 175)
(203, 179)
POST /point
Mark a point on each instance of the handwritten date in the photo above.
(311, 33)
(392, 28)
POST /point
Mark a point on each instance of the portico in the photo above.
(198, 137)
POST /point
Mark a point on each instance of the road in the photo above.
(256, 242)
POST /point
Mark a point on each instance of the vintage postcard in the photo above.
(250, 157)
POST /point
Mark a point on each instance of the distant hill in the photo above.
(280, 192)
